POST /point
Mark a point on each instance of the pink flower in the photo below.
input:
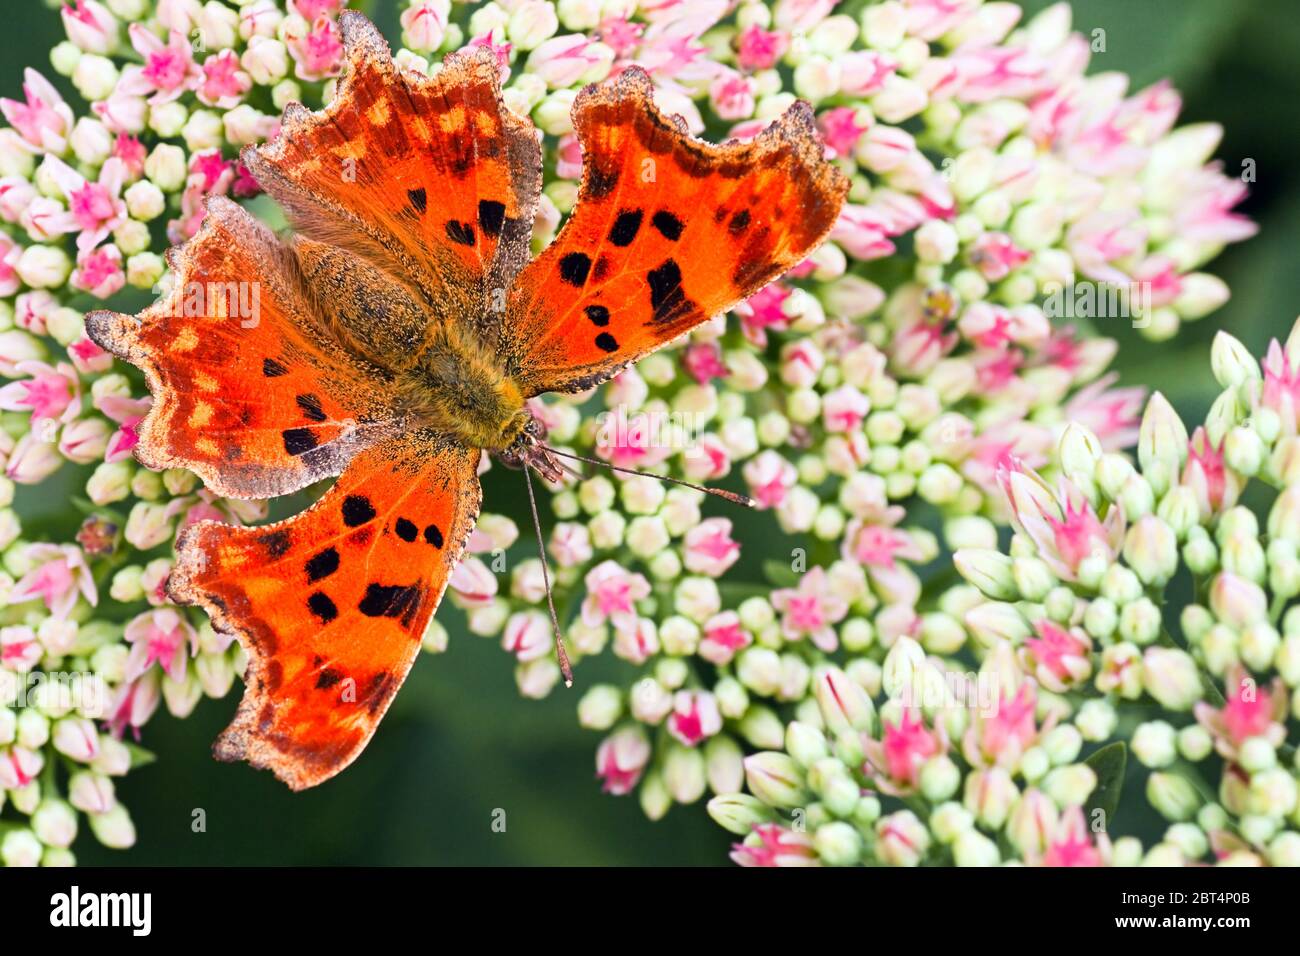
(1249, 710)
(770, 478)
(1062, 525)
(568, 157)
(127, 412)
(1072, 845)
(210, 172)
(996, 256)
(1057, 657)
(877, 546)
(896, 759)
(709, 547)
(612, 593)
(1203, 212)
(863, 72)
(778, 846)
(811, 610)
(96, 208)
(620, 34)
(1282, 386)
(162, 637)
(58, 577)
(631, 441)
(917, 348)
(695, 716)
(16, 194)
(759, 49)
(52, 393)
(621, 759)
(19, 767)
(134, 703)
(425, 24)
(90, 26)
(499, 50)
(99, 271)
(703, 361)
(224, 83)
(44, 120)
(32, 460)
(1112, 414)
(19, 649)
(169, 68)
(528, 635)
(1102, 238)
(318, 53)
(732, 95)
(88, 358)
(1215, 485)
(723, 636)
(763, 311)
(844, 409)
(999, 739)
(131, 152)
(562, 60)
(841, 129)
(473, 583)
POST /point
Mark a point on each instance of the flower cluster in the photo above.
(1075, 653)
(884, 403)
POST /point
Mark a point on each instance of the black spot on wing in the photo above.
(357, 510)
(273, 369)
(323, 565)
(320, 604)
(461, 233)
(298, 441)
(626, 226)
(574, 268)
(598, 314)
(606, 342)
(390, 600)
(667, 298)
(419, 199)
(433, 535)
(491, 216)
(275, 542)
(669, 226)
(310, 405)
(739, 222)
(406, 530)
(328, 678)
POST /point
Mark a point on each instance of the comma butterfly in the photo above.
(396, 335)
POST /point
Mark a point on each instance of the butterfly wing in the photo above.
(252, 392)
(667, 233)
(332, 604)
(432, 179)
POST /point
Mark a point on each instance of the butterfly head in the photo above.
(529, 450)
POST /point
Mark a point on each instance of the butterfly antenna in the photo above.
(733, 497)
(560, 654)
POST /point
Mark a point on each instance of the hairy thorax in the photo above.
(456, 385)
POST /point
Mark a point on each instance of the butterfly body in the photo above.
(400, 332)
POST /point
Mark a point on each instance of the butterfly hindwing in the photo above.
(667, 233)
(332, 604)
(252, 391)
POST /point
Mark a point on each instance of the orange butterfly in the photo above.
(398, 334)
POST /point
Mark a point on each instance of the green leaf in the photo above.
(780, 574)
(1108, 764)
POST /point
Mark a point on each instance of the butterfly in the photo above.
(397, 333)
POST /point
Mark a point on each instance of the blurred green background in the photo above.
(459, 744)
